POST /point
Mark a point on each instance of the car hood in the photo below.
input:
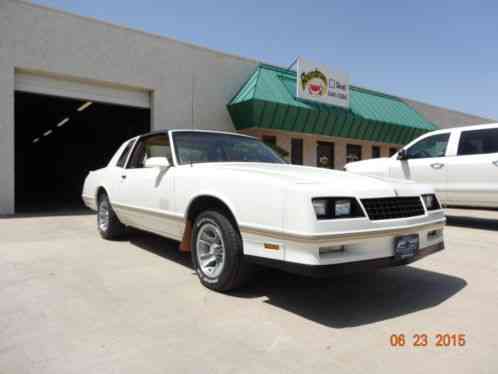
(322, 180)
(377, 166)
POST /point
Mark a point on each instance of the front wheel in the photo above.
(217, 252)
(108, 223)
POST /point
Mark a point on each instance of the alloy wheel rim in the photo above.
(210, 250)
(103, 215)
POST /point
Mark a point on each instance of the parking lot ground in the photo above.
(71, 302)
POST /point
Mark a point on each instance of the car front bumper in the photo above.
(324, 249)
(322, 271)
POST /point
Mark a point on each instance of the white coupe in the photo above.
(232, 202)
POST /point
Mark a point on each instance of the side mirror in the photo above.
(157, 162)
(402, 154)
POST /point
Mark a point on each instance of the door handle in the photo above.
(123, 176)
(437, 165)
(495, 163)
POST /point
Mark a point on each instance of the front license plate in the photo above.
(406, 246)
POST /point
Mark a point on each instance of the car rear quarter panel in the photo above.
(90, 186)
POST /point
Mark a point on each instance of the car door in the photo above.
(425, 162)
(473, 171)
(147, 192)
(114, 175)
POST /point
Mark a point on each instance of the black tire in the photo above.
(112, 228)
(235, 270)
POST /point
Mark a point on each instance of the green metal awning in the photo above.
(267, 101)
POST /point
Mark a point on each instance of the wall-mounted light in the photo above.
(47, 133)
(84, 106)
(36, 140)
(63, 122)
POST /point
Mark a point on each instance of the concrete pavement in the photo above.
(71, 302)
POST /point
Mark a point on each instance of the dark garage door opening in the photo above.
(59, 140)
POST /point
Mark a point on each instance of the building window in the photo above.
(392, 151)
(297, 151)
(375, 151)
(270, 140)
(353, 152)
(325, 155)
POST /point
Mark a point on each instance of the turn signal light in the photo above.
(272, 247)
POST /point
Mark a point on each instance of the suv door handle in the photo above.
(123, 176)
(495, 163)
(437, 165)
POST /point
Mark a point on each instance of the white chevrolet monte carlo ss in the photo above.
(233, 202)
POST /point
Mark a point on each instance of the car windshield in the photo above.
(198, 147)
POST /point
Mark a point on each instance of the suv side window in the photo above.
(432, 146)
(124, 156)
(151, 146)
(476, 142)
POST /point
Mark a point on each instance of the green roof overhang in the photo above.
(267, 101)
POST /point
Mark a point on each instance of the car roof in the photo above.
(166, 131)
(465, 128)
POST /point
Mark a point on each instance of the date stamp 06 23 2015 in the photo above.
(428, 340)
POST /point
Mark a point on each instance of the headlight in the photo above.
(430, 202)
(320, 206)
(342, 208)
(336, 207)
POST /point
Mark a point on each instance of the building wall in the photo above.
(6, 136)
(284, 138)
(446, 118)
(50, 42)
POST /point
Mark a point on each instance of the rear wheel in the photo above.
(217, 252)
(108, 223)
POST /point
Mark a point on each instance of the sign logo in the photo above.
(318, 83)
(314, 82)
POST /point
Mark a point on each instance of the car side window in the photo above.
(124, 155)
(432, 146)
(476, 142)
(151, 146)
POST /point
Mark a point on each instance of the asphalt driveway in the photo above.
(71, 302)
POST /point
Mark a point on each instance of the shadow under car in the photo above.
(338, 302)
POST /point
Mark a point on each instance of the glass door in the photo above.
(325, 155)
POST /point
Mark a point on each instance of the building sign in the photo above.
(318, 83)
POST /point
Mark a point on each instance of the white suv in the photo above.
(461, 163)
